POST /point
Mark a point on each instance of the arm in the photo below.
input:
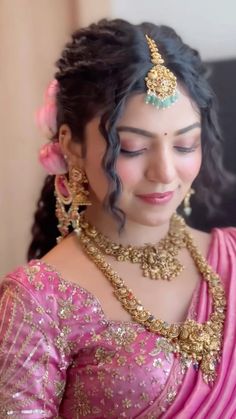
(32, 367)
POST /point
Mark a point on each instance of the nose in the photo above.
(161, 167)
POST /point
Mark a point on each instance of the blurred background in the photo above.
(32, 34)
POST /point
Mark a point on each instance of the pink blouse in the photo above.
(60, 357)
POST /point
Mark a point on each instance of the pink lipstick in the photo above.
(157, 198)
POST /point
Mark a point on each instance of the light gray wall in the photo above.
(208, 25)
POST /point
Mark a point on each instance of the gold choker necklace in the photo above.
(157, 261)
(196, 343)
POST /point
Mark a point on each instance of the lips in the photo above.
(157, 198)
(156, 195)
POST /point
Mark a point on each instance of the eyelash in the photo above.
(185, 149)
(139, 152)
(131, 153)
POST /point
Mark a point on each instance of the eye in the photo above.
(185, 149)
(129, 153)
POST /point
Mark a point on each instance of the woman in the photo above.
(132, 314)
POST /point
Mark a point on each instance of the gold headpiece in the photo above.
(160, 81)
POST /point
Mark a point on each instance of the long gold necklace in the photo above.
(196, 343)
(157, 261)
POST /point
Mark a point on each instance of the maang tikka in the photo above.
(160, 81)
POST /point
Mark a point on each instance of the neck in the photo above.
(133, 233)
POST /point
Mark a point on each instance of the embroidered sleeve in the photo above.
(32, 361)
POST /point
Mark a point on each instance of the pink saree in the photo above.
(60, 357)
(195, 399)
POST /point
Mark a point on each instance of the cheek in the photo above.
(189, 167)
(129, 172)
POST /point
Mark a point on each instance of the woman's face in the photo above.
(159, 159)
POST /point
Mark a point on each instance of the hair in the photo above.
(99, 69)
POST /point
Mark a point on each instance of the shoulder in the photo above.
(38, 284)
(35, 278)
(220, 252)
(44, 277)
(227, 233)
(34, 286)
(223, 238)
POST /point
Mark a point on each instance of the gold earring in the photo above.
(70, 192)
(187, 206)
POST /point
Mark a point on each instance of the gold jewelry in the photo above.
(197, 344)
(70, 192)
(157, 261)
(160, 81)
(187, 206)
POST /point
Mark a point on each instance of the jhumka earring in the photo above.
(187, 206)
(160, 81)
(71, 193)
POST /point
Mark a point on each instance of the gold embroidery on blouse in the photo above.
(171, 395)
(31, 272)
(144, 397)
(95, 337)
(104, 357)
(39, 286)
(123, 335)
(88, 370)
(62, 342)
(121, 360)
(62, 286)
(157, 363)
(87, 318)
(101, 376)
(40, 310)
(140, 360)
(162, 346)
(88, 302)
(81, 405)
(174, 383)
(109, 393)
(66, 308)
(13, 307)
(126, 403)
(59, 388)
(3, 306)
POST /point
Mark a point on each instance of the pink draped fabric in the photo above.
(195, 399)
(60, 357)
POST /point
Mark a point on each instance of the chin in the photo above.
(152, 220)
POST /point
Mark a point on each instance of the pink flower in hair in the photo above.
(52, 159)
(46, 120)
(50, 155)
(46, 115)
(51, 91)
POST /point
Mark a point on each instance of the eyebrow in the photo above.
(149, 134)
(189, 128)
(139, 131)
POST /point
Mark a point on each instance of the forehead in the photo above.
(139, 114)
